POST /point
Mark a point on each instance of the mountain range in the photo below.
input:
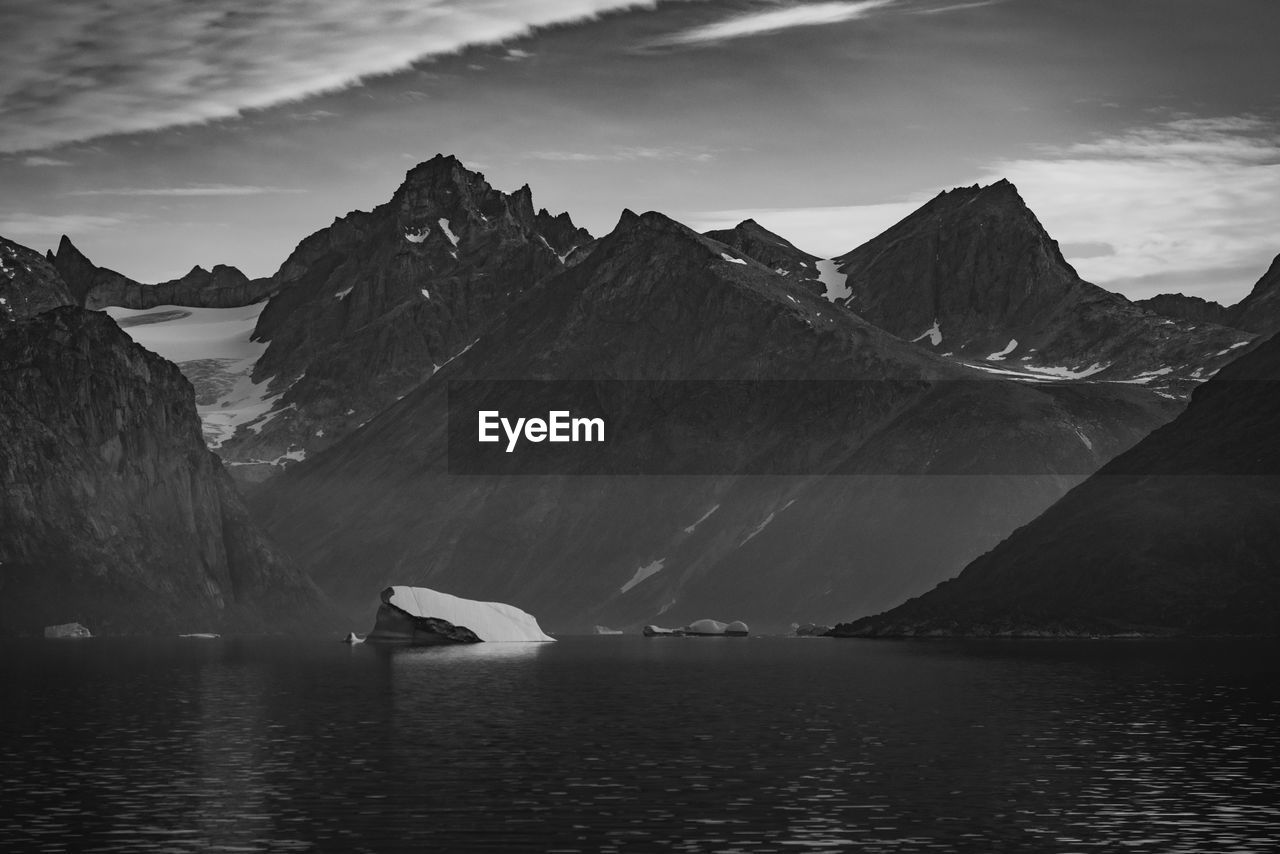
(834, 435)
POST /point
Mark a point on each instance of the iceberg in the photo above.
(67, 630)
(700, 628)
(715, 628)
(421, 615)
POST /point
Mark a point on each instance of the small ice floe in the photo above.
(353, 638)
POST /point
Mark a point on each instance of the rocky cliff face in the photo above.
(973, 274)
(28, 284)
(1176, 536)
(373, 305)
(113, 513)
(96, 287)
(1260, 310)
(855, 513)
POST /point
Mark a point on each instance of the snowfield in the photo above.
(836, 282)
(211, 347)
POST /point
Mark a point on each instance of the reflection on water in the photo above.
(596, 744)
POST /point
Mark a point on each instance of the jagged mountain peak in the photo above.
(973, 273)
(29, 284)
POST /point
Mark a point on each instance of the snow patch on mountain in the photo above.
(342, 294)
(642, 573)
(417, 236)
(726, 256)
(933, 333)
(703, 518)
(837, 283)
(1066, 373)
(448, 232)
(426, 294)
(1008, 348)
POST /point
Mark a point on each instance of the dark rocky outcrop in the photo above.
(97, 287)
(757, 242)
(976, 261)
(1190, 308)
(28, 284)
(858, 518)
(1258, 312)
(371, 306)
(1178, 535)
(113, 513)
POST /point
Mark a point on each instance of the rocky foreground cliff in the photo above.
(113, 512)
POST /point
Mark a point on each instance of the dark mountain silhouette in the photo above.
(1176, 536)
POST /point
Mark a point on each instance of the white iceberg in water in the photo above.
(425, 616)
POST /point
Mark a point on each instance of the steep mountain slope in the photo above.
(371, 306)
(28, 284)
(1177, 535)
(850, 468)
(97, 287)
(973, 274)
(113, 513)
(1260, 310)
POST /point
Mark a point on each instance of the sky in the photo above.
(160, 134)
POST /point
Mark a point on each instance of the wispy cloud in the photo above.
(957, 7)
(626, 153)
(1181, 204)
(203, 190)
(36, 160)
(79, 69)
(772, 21)
(45, 225)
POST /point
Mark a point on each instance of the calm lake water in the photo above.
(601, 744)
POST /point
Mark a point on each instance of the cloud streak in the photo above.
(80, 69)
(51, 226)
(205, 190)
(772, 21)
